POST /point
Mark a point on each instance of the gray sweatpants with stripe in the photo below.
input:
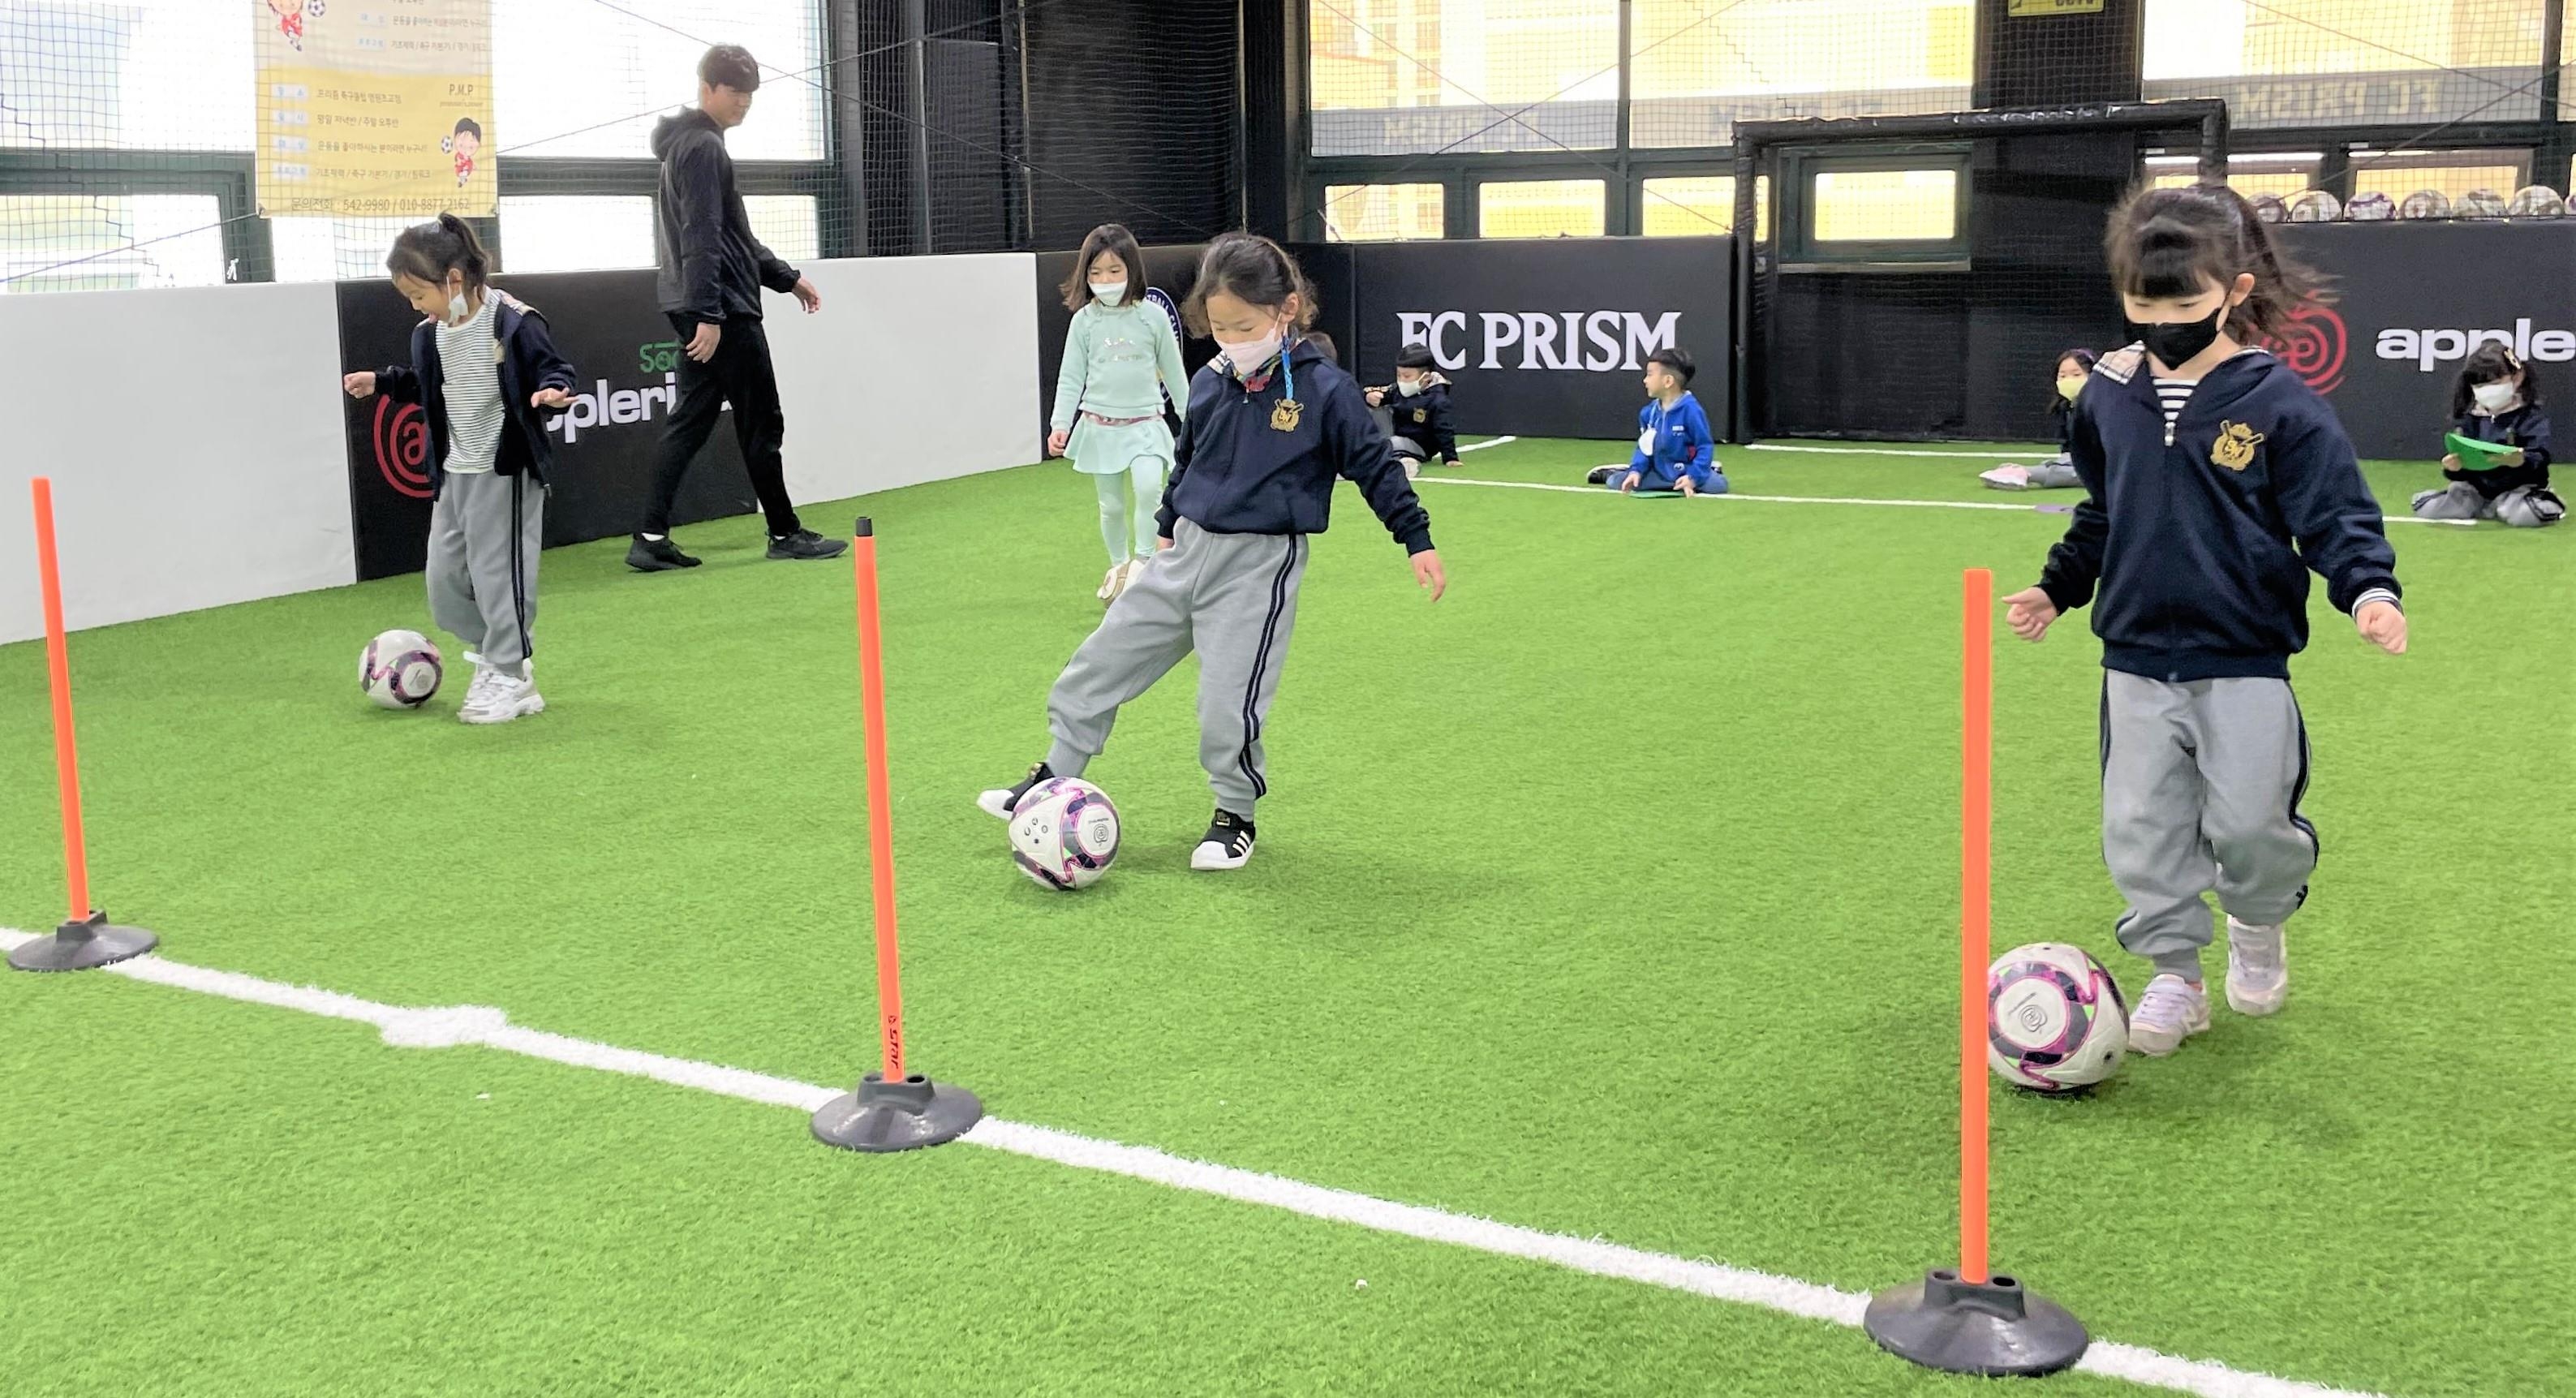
(484, 535)
(1230, 597)
(2201, 784)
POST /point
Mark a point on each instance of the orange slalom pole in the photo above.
(1976, 853)
(58, 661)
(880, 811)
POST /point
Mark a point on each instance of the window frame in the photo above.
(1793, 185)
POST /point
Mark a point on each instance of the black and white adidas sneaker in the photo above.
(1000, 803)
(1227, 845)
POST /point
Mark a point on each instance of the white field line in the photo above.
(453, 1025)
(2036, 508)
(1466, 447)
(1898, 451)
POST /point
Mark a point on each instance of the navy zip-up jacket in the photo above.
(528, 361)
(1424, 417)
(1235, 473)
(2525, 427)
(2201, 539)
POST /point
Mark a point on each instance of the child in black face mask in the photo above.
(2497, 400)
(2217, 481)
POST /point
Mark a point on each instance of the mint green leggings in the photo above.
(1128, 502)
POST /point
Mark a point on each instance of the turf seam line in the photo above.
(2031, 509)
(455, 1025)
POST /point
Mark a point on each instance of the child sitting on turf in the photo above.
(2216, 480)
(1675, 449)
(2057, 472)
(1414, 411)
(2497, 399)
(481, 366)
(1120, 357)
(1271, 423)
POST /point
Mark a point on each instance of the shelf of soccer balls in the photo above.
(2320, 206)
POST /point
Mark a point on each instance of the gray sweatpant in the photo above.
(1230, 597)
(484, 535)
(2201, 784)
(2523, 507)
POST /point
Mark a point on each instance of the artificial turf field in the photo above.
(1613, 896)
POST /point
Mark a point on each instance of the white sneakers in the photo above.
(1117, 579)
(2258, 968)
(498, 697)
(2172, 1010)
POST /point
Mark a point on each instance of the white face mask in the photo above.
(456, 310)
(2493, 396)
(1247, 356)
(1408, 387)
(2067, 388)
(1109, 293)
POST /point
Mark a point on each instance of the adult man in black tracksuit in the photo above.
(711, 271)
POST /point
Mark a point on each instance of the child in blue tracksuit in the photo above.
(2216, 482)
(1675, 449)
(1272, 423)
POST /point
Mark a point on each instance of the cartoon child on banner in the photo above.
(463, 144)
(290, 19)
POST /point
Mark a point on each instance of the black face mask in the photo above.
(2175, 343)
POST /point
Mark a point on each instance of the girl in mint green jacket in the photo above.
(1119, 359)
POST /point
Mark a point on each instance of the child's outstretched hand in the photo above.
(361, 384)
(1427, 573)
(2029, 612)
(1376, 397)
(550, 398)
(2383, 625)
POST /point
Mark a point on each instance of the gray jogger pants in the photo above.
(1230, 597)
(484, 534)
(2201, 784)
(2525, 507)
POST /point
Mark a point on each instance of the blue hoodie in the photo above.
(1683, 444)
(2201, 541)
(1234, 472)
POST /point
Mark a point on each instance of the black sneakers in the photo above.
(1600, 475)
(657, 555)
(805, 543)
(1227, 845)
(1000, 803)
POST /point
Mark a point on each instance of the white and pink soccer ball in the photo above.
(2055, 1021)
(400, 670)
(1064, 833)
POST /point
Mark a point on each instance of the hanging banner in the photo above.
(375, 107)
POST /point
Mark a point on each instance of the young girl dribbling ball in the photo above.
(1271, 423)
(2216, 481)
(1120, 356)
(482, 365)
(2497, 400)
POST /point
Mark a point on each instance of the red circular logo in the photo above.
(2312, 344)
(402, 447)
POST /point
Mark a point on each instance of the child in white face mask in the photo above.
(2496, 400)
(1120, 358)
(1414, 411)
(2057, 472)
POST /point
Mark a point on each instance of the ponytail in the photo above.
(429, 251)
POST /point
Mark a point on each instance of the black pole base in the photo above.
(1995, 1329)
(908, 1115)
(81, 946)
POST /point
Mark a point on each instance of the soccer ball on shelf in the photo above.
(2370, 208)
(2315, 206)
(2425, 203)
(2537, 201)
(2269, 209)
(2055, 1022)
(1064, 833)
(400, 670)
(2479, 203)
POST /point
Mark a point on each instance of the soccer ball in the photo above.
(2425, 203)
(400, 670)
(2269, 209)
(2055, 1021)
(2370, 208)
(1064, 833)
(2480, 203)
(2315, 206)
(2538, 201)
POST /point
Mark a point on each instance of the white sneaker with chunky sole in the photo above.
(2258, 968)
(2172, 1010)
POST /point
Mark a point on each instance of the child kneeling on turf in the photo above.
(481, 366)
(1675, 449)
(1271, 423)
(2215, 481)
(2057, 472)
(1414, 411)
(2497, 399)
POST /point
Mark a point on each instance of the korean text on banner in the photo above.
(375, 107)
